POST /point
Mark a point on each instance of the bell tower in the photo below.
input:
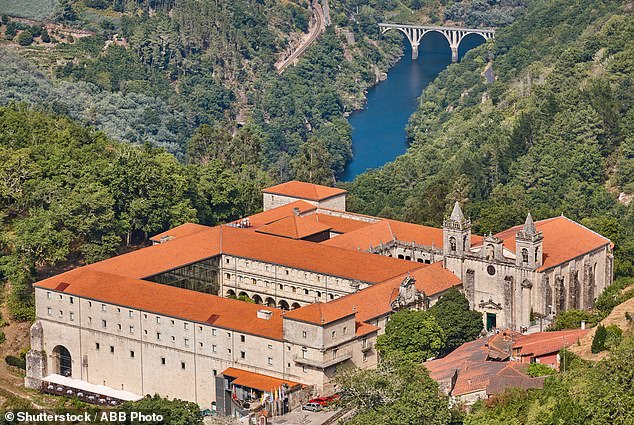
(529, 245)
(456, 232)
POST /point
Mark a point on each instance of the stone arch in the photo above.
(62, 361)
(452, 244)
(468, 36)
(257, 299)
(283, 304)
(231, 293)
(295, 305)
(243, 294)
(524, 256)
(269, 302)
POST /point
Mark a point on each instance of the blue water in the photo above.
(378, 130)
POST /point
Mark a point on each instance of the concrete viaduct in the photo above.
(454, 36)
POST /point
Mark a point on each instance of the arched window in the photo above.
(464, 243)
(524, 255)
(490, 252)
(452, 244)
(63, 363)
(536, 254)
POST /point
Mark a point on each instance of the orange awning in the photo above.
(257, 381)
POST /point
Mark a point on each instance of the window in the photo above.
(305, 291)
(200, 328)
(72, 301)
(452, 244)
(536, 254)
(131, 354)
(173, 323)
(365, 357)
(186, 326)
(304, 334)
(131, 329)
(228, 334)
(365, 343)
(318, 294)
(103, 307)
(286, 271)
(158, 320)
(215, 372)
(228, 350)
(333, 334)
(269, 360)
(158, 335)
(200, 344)
(304, 369)
(281, 287)
(345, 330)
(112, 349)
(490, 270)
(89, 303)
(304, 352)
(145, 316)
(182, 365)
(288, 365)
(334, 354)
(60, 296)
(214, 332)
(119, 326)
(97, 346)
(89, 320)
(243, 355)
(118, 310)
(228, 275)
(72, 317)
(186, 342)
(173, 338)
(61, 314)
(214, 349)
(130, 314)
(270, 346)
(104, 324)
(255, 282)
(145, 331)
(163, 360)
(524, 255)
(242, 338)
(49, 310)
(48, 295)
(293, 289)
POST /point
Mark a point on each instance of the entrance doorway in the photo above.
(491, 321)
(62, 361)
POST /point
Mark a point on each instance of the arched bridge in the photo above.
(454, 36)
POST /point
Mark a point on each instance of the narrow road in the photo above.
(317, 29)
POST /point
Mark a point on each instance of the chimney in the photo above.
(264, 314)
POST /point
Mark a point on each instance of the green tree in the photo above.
(45, 36)
(416, 335)
(65, 11)
(598, 341)
(571, 319)
(175, 412)
(459, 323)
(538, 369)
(398, 391)
(312, 163)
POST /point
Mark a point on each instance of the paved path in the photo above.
(303, 417)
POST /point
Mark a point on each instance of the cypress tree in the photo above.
(598, 342)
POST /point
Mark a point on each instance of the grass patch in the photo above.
(33, 9)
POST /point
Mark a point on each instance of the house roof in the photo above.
(302, 190)
(266, 217)
(257, 381)
(180, 231)
(542, 343)
(563, 240)
(294, 227)
(376, 300)
(338, 224)
(167, 300)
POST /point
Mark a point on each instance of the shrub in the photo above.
(5, 19)
(538, 369)
(2, 337)
(45, 37)
(571, 319)
(25, 38)
(614, 336)
(36, 30)
(598, 342)
(19, 362)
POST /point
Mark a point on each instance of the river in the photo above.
(378, 130)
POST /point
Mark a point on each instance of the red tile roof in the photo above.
(294, 227)
(180, 231)
(257, 381)
(542, 343)
(302, 190)
(338, 224)
(266, 217)
(375, 301)
(564, 240)
(167, 300)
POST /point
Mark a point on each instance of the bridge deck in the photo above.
(437, 28)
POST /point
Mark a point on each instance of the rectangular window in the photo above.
(304, 351)
(89, 303)
(61, 314)
(182, 365)
(200, 328)
(213, 332)
(304, 369)
(130, 314)
(158, 335)
(72, 317)
(228, 334)
(119, 326)
(345, 330)
(131, 329)
(365, 357)
(173, 338)
(173, 323)
(214, 348)
(270, 360)
(186, 325)
(200, 344)
(215, 372)
(334, 354)
(72, 301)
(104, 324)
(334, 334)
(103, 307)
(270, 347)
(186, 342)
(48, 295)
(145, 316)
(96, 346)
(243, 354)
(118, 310)
(89, 320)
(162, 360)
(158, 320)
(228, 350)
(49, 310)
(242, 338)
(112, 349)
(304, 334)
(131, 354)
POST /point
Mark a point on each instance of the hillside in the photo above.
(552, 134)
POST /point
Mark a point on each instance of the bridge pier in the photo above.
(454, 54)
(414, 51)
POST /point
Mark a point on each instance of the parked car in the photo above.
(322, 401)
(313, 407)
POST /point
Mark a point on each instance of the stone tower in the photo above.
(529, 245)
(456, 231)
